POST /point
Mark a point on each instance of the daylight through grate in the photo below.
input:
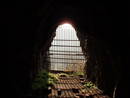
(65, 53)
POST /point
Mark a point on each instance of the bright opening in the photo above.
(65, 51)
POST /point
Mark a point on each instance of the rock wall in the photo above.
(104, 29)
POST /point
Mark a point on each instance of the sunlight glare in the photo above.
(66, 31)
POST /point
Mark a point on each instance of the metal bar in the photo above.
(66, 63)
(63, 46)
(65, 51)
(65, 58)
(64, 40)
(66, 54)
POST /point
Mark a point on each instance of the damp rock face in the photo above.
(31, 29)
(103, 65)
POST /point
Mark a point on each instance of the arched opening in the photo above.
(65, 53)
(63, 65)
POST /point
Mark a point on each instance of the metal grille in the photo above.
(65, 53)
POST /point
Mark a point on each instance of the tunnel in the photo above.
(101, 30)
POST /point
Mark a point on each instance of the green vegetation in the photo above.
(78, 73)
(89, 85)
(63, 75)
(43, 79)
(40, 80)
(52, 78)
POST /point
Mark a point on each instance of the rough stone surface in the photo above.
(31, 27)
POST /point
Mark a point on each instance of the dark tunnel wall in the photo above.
(30, 26)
